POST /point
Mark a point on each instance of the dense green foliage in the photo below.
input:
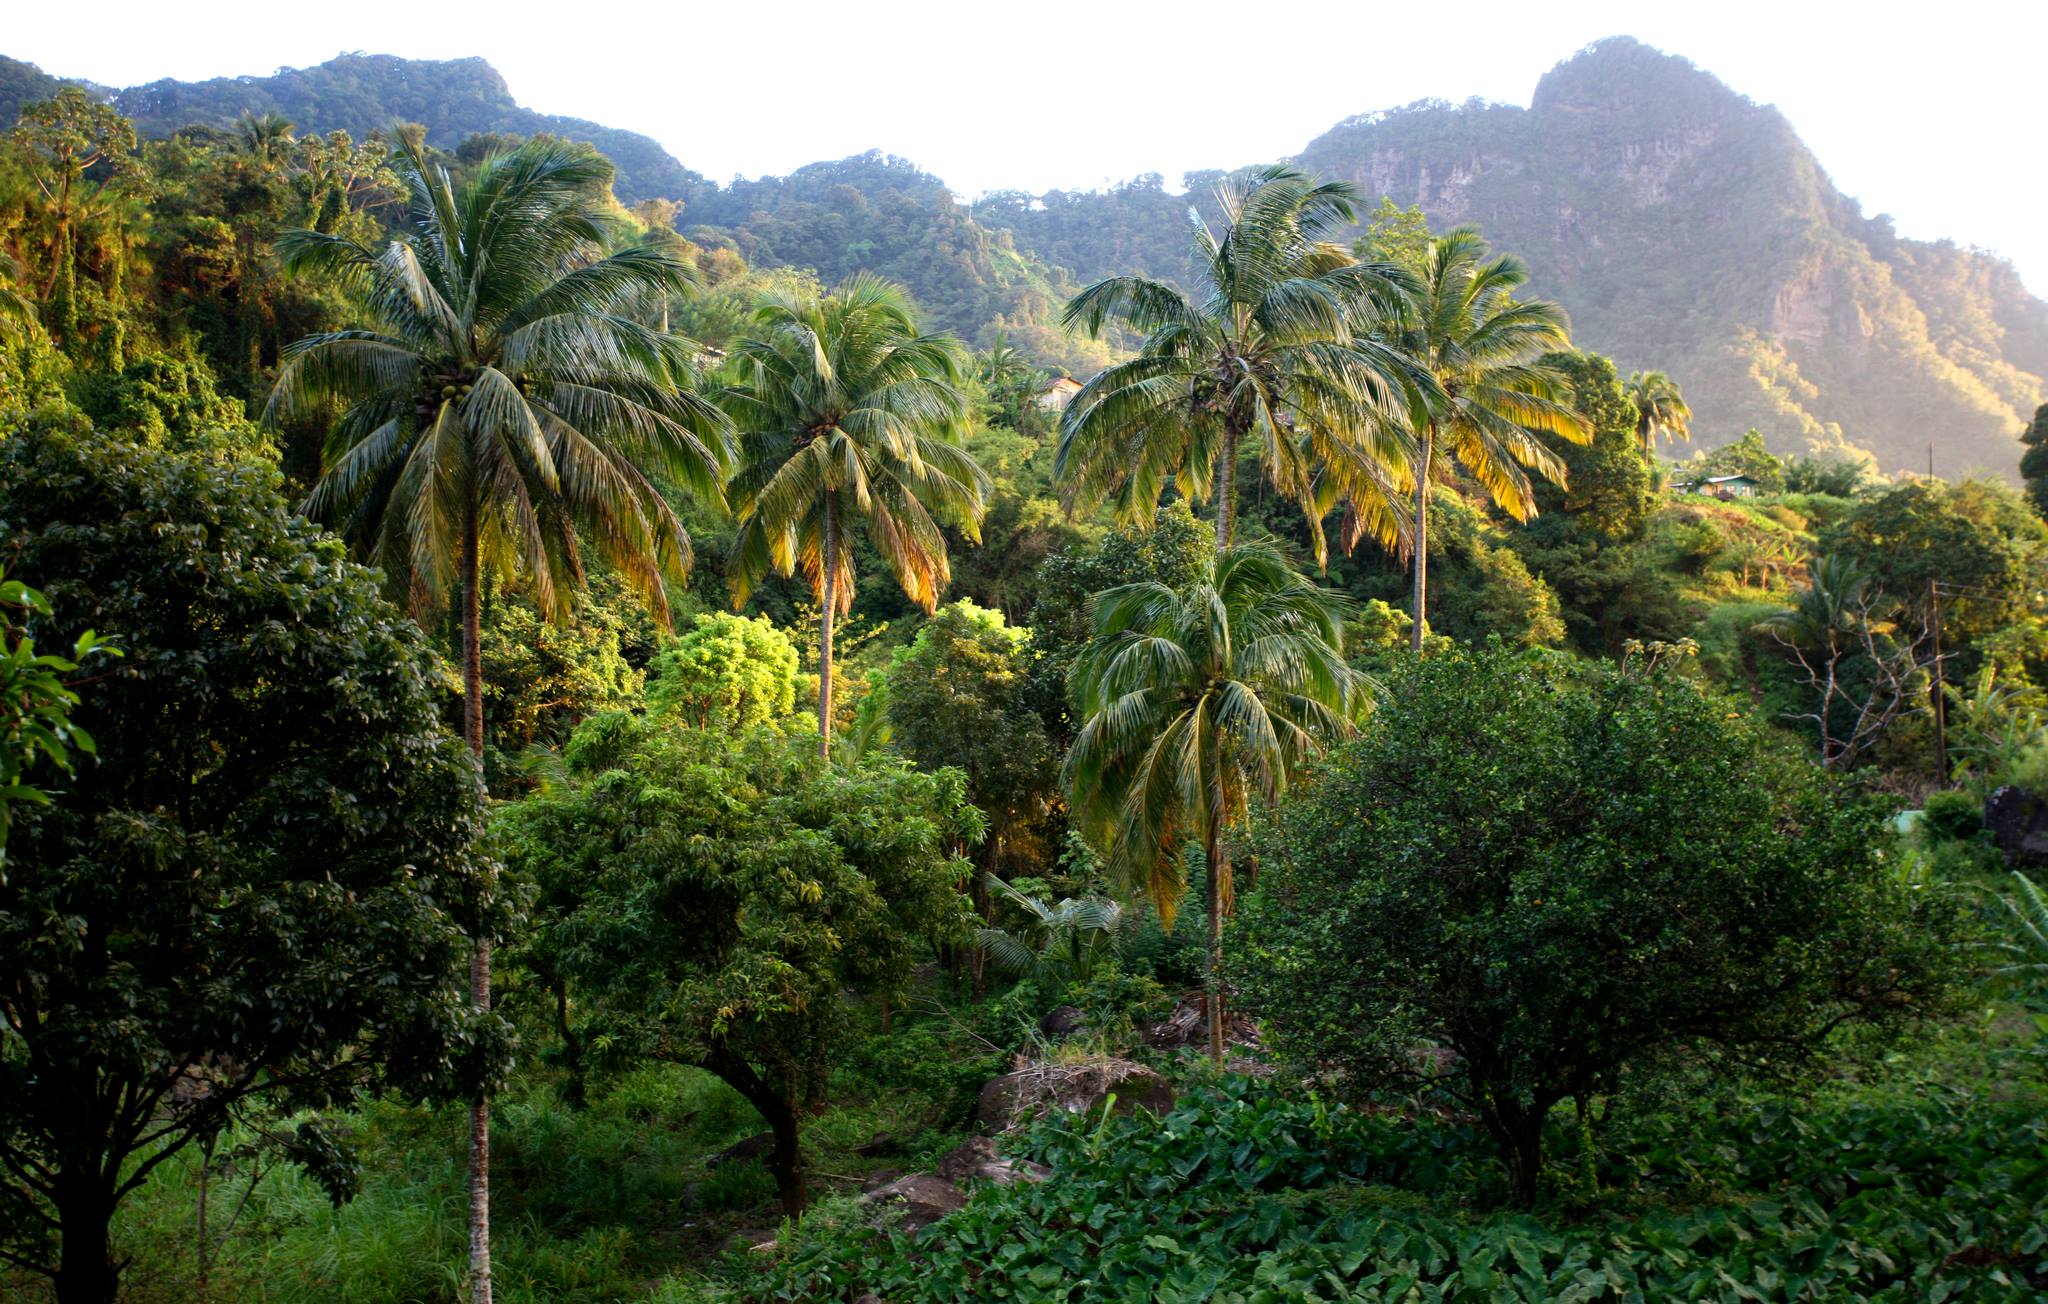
(1563, 877)
(263, 891)
(705, 899)
(1547, 907)
(1930, 1191)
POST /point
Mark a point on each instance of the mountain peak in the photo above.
(1621, 75)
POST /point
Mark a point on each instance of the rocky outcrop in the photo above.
(924, 1198)
(2018, 821)
(927, 1197)
(1062, 1021)
(1071, 1088)
(976, 1160)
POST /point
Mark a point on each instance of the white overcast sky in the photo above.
(1934, 115)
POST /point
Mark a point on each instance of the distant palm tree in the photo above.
(1064, 941)
(1480, 344)
(265, 136)
(850, 419)
(1265, 350)
(1194, 700)
(1009, 378)
(498, 404)
(1660, 408)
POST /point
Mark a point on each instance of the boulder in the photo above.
(924, 1198)
(880, 1144)
(754, 1147)
(975, 1159)
(2018, 821)
(1075, 1088)
(1062, 1022)
(880, 1178)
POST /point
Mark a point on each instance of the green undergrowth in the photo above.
(1912, 1182)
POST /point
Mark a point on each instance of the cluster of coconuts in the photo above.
(452, 387)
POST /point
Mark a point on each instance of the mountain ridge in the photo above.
(1682, 225)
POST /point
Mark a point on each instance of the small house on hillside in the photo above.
(1056, 396)
(1719, 486)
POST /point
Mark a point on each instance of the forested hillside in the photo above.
(362, 93)
(1682, 226)
(550, 760)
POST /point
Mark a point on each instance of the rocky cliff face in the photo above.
(1687, 228)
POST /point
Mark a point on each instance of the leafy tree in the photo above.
(1607, 591)
(729, 673)
(2034, 462)
(169, 401)
(1608, 476)
(1196, 700)
(851, 420)
(543, 677)
(61, 140)
(1747, 456)
(1492, 396)
(1275, 346)
(1394, 234)
(1557, 876)
(709, 899)
(959, 696)
(1482, 588)
(36, 702)
(264, 889)
(1660, 409)
(498, 405)
(1975, 546)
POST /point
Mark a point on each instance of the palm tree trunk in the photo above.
(829, 560)
(1226, 490)
(1422, 541)
(1219, 874)
(480, 959)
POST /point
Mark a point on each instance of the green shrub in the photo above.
(1561, 873)
(1952, 816)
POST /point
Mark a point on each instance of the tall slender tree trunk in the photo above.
(829, 559)
(1422, 542)
(1219, 876)
(480, 959)
(1226, 490)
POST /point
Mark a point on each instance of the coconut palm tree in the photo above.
(1195, 700)
(265, 136)
(1481, 345)
(1265, 350)
(1660, 408)
(497, 406)
(850, 420)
